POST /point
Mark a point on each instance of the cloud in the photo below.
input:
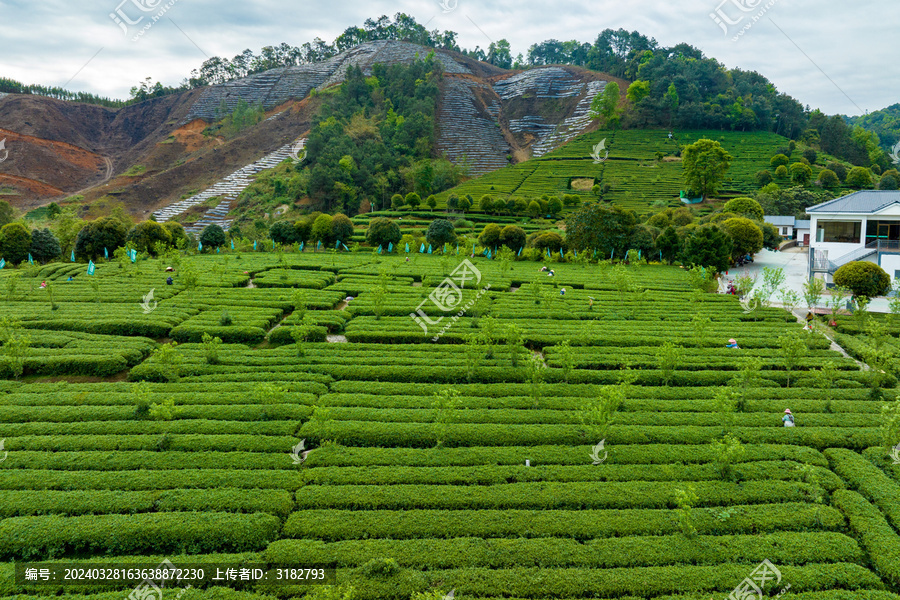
(51, 42)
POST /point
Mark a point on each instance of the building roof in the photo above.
(864, 202)
(801, 224)
(779, 221)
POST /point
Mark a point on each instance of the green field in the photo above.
(636, 178)
(121, 448)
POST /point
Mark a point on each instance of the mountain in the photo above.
(154, 153)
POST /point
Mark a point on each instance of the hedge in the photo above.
(548, 495)
(869, 525)
(25, 479)
(157, 442)
(783, 548)
(30, 538)
(133, 427)
(137, 460)
(869, 480)
(220, 412)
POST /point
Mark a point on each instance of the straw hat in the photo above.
(732, 341)
(788, 411)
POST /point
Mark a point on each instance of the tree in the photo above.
(382, 232)
(44, 245)
(668, 244)
(440, 232)
(888, 181)
(763, 178)
(637, 91)
(431, 201)
(464, 203)
(859, 177)
(554, 206)
(606, 229)
(321, 229)
(709, 247)
(746, 236)
(7, 214)
(452, 202)
(771, 236)
(779, 160)
(704, 164)
(534, 209)
(107, 232)
(801, 173)
(303, 227)
(15, 242)
(490, 235)
(605, 105)
(828, 179)
(863, 279)
(144, 236)
(176, 233)
(745, 207)
(810, 155)
(486, 204)
(341, 228)
(414, 200)
(396, 201)
(513, 237)
(212, 236)
(781, 172)
(283, 232)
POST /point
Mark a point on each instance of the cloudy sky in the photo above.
(835, 55)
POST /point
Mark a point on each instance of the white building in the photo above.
(860, 226)
(790, 228)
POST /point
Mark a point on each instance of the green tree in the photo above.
(382, 232)
(792, 350)
(15, 242)
(859, 177)
(445, 404)
(212, 236)
(782, 172)
(746, 236)
(341, 228)
(554, 206)
(668, 357)
(685, 499)
(668, 244)
(605, 105)
(597, 413)
(709, 247)
(177, 234)
(534, 209)
(744, 207)
(801, 173)
(828, 179)
(486, 204)
(490, 235)
(513, 237)
(413, 200)
(321, 229)
(440, 232)
(704, 164)
(145, 236)
(863, 279)
(396, 201)
(44, 245)
(779, 160)
(284, 232)
(7, 214)
(637, 91)
(105, 233)
(601, 228)
(431, 201)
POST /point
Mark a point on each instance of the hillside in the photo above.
(487, 118)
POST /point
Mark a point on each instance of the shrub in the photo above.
(779, 160)
(490, 235)
(763, 178)
(781, 172)
(888, 181)
(828, 179)
(341, 228)
(801, 173)
(108, 233)
(382, 232)
(513, 237)
(839, 169)
(303, 226)
(863, 279)
(745, 207)
(321, 230)
(746, 236)
(440, 232)
(859, 177)
(212, 236)
(15, 242)
(144, 236)
(283, 232)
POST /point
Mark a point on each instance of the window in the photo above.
(846, 232)
(784, 231)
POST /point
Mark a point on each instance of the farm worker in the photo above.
(732, 343)
(562, 292)
(43, 284)
(407, 259)
(590, 303)
(544, 268)
(169, 281)
(70, 278)
(551, 273)
(788, 418)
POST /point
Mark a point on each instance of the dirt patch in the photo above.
(336, 339)
(582, 184)
(671, 159)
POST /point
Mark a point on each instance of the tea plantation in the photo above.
(459, 450)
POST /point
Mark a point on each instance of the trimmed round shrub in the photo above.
(746, 236)
(763, 178)
(15, 241)
(781, 172)
(342, 228)
(801, 173)
(440, 232)
(859, 177)
(213, 236)
(828, 179)
(490, 235)
(513, 237)
(283, 232)
(863, 279)
(746, 207)
(382, 231)
(779, 160)
(144, 236)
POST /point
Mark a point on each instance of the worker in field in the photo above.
(788, 418)
(732, 343)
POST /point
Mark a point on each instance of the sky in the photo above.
(838, 56)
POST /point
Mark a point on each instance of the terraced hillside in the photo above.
(471, 464)
(632, 170)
